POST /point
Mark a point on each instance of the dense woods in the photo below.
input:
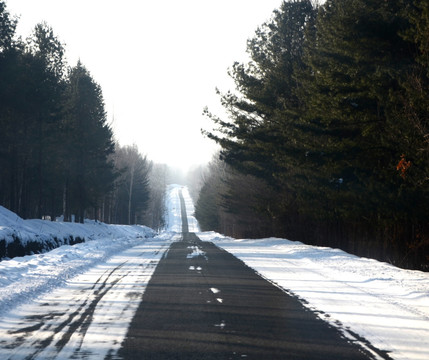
(58, 156)
(326, 138)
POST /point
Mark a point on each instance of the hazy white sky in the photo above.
(158, 62)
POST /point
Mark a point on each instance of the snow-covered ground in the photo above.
(98, 284)
(365, 298)
(85, 316)
(23, 278)
(76, 301)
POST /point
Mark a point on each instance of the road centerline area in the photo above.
(204, 303)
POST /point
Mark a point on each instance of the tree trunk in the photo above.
(130, 193)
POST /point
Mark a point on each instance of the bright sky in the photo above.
(157, 61)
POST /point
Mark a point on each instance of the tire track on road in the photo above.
(86, 309)
(64, 324)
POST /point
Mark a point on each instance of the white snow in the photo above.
(386, 305)
(221, 325)
(42, 230)
(102, 281)
(87, 316)
(198, 268)
(195, 252)
(190, 211)
(23, 278)
(173, 218)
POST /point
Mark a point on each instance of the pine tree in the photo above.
(260, 137)
(357, 58)
(88, 141)
(7, 29)
(8, 72)
(264, 135)
(48, 76)
(132, 190)
(410, 106)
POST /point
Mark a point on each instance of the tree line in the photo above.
(58, 155)
(326, 138)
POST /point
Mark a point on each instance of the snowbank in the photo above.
(20, 237)
(24, 278)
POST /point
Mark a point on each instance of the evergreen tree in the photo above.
(332, 113)
(132, 191)
(356, 60)
(265, 136)
(8, 72)
(154, 215)
(7, 29)
(55, 141)
(410, 106)
(208, 205)
(88, 141)
(47, 77)
(264, 114)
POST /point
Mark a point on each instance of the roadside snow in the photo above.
(85, 316)
(56, 304)
(23, 278)
(190, 211)
(43, 230)
(365, 298)
(173, 217)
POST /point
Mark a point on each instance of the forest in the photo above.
(325, 141)
(326, 134)
(58, 155)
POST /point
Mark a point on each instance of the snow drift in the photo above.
(19, 237)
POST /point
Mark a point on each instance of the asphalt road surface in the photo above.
(203, 303)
